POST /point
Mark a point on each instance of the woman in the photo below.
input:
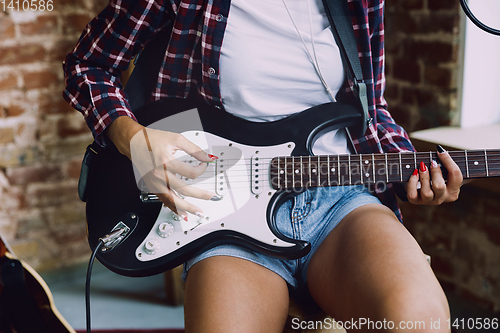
(264, 60)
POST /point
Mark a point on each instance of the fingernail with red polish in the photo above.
(212, 156)
(415, 172)
(423, 168)
(434, 164)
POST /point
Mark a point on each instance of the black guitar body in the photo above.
(113, 196)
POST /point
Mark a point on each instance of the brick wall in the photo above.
(42, 139)
(463, 238)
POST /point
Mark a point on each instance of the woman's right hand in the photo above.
(152, 152)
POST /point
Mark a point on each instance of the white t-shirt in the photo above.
(265, 72)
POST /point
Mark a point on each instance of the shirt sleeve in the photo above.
(93, 69)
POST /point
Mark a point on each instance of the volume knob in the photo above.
(151, 246)
(165, 229)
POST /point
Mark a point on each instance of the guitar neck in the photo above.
(355, 169)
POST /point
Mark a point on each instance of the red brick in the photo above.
(73, 168)
(436, 76)
(443, 4)
(401, 21)
(406, 70)
(74, 3)
(44, 24)
(391, 91)
(52, 196)
(440, 22)
(57, 51)
(430, 51)
(66, 128)
(6, 135)
(75, 23)
(54, 104)
(12, 110)
(34, 174)
(7, 29)
(21, 54)
(42, 79)
(8, 82)
(404, 4)
(402, 115)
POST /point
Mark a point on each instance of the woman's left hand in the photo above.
(434, 190)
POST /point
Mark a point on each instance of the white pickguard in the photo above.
(233, 177)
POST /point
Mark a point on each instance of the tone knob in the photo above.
(151, 246)
(175, 217)
(165, 229)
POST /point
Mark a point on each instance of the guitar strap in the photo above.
(339, 16)
(147, 64)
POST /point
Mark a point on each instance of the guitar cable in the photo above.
(108, 239)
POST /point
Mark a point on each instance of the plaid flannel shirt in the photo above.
(191, 63)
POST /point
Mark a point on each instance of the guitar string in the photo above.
(235, 180)
(493, 167)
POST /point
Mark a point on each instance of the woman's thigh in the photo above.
(228, 294)
(371, 268)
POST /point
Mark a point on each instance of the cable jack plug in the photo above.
(115, 237)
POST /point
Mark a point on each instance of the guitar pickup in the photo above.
(221, 185)
(256, 175)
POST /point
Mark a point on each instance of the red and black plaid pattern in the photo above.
(191, 63)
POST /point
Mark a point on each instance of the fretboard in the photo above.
(337, 170)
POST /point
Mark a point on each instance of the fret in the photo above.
(318, 170)
(279, 171)
(308, 173)
(373, 168)
(323, 174)
(301, 173)
(349, 168)
(394, 167)
(400, 168)
(338, 168)
(494, 163)
(486, 164)
(430, 157)
(407, 162)
(415, 159)
(466, 164)
(386, 169)
(361, 168)
(476, 164)
(285, 172)
(328, 169)
(312, 171)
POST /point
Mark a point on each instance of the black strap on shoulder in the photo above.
(338, 15)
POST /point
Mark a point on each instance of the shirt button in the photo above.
(211, 71)
(217, 107)
(219, 18)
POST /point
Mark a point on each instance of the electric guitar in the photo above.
(260, 166)
(26, 303)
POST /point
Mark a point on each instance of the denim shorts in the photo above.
(309, 216)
